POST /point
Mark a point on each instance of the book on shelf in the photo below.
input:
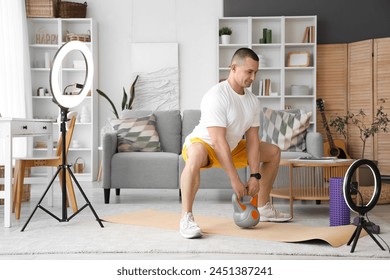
(260, 87)
(306, 35)
(312, 34)
(267, 87)
(264, 87)
(309, 35)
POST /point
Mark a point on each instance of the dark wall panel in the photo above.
(339, 21)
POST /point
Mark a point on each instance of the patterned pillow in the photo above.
(138, 135)
(286, 129)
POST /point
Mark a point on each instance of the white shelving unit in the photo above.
(288, 33)
(46, 36)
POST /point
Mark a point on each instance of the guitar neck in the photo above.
(328, 134)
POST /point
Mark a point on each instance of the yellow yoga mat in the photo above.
(283, 232)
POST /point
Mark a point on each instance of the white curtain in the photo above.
(15, 76)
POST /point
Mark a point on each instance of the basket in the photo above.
(73, 9)
(77, 166)
(78, 37)
(367, 192)
(42, 8)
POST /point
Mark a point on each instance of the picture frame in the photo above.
(298, 59)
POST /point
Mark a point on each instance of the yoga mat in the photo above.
(283, 232)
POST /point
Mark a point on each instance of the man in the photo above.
(228, 112)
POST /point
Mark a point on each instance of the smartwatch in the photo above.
(256, 175)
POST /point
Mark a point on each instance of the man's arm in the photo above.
(222, 150)
(253, 156)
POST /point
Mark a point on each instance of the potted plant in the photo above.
(225, 33)
(379, 123)
(127, 99)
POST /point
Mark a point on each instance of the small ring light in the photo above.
(363, 208)
(69, 101)
(348, 189)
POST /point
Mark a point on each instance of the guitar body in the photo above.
(339, 150)
(332, 148)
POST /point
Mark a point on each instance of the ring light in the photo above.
(69, 101)
(65, 102)
(349, 189)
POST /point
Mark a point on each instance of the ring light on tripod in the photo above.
(65, 102)
(69, 101)
(349, 189)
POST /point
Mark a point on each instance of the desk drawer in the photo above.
(28, 128)
(22, 128)
(42, 128)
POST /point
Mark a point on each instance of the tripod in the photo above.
(64, 167)
(355, 236)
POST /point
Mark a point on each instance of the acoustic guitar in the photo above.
(332, 148)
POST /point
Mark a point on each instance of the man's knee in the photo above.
(197, 156)
(276, 151)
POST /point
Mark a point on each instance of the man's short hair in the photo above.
(241, 54)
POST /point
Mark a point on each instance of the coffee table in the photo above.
(309, 179)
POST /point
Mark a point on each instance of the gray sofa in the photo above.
(161, 170)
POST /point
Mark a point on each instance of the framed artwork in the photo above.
(298, 59)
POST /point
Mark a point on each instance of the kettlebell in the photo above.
(245, 214)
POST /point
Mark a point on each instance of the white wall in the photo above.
(192, 24)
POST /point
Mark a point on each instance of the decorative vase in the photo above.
(85, 116)
(225, 39)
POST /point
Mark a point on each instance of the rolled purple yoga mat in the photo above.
(339, 212)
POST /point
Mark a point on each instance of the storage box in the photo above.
(73, 10)
(42, 8)
(26, 188)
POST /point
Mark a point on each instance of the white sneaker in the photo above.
(188, 227)
(269, 214)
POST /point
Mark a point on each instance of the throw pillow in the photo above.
(138, 135)
(286, 129)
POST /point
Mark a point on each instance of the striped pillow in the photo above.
(286, 129)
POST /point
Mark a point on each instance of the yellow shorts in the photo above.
(238, 154)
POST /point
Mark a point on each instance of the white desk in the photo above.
(17, 127)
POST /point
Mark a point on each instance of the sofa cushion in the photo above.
(138, 135)
(285, 129)
(145, 170)
(190, 120)
(169, 129)
(168, 124)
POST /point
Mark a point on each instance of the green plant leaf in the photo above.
(124, 99)
(109, 100)
(132, 93)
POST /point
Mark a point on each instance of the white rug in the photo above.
(44, 235)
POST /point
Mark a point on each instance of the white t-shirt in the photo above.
(221, 106)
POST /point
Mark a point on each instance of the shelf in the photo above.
(46, 36)
(288, 33)
(309, 193)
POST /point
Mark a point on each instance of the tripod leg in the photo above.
(358, 230)
(40, 200)
(373, 237)
(352, 237)
(85, 197)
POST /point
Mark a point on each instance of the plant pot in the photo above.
(225, 39)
